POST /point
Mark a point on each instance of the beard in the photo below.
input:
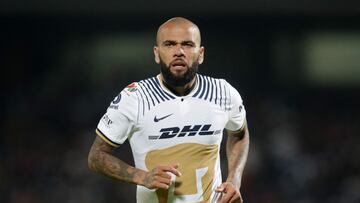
(178, 81)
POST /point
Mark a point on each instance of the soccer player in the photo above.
(174, 123)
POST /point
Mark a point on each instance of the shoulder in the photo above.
(126, 97)
(205, 80)
(232, 89)
(135, 92)
(211, 78)
(130, 91)
(233, 92)
(147, 84)
(223, 83)
(131, 88)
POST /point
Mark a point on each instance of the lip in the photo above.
(178, 64)
(178, 68)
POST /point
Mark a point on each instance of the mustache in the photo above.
(178, 61)
(177, 81)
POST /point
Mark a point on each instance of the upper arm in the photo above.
(237, 112)
(242, 133)
(120, 118)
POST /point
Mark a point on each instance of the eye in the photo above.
(169, 44)
(189, 44)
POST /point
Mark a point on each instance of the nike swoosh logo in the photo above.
(161, 118)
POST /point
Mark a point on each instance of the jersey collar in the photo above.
(166, 89)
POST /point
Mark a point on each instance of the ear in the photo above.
(156, 54)
(201, 55)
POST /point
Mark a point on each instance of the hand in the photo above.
(230, 193)
(159, 177)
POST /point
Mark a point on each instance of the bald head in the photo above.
(178, 52)
(178, 24)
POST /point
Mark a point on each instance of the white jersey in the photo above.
(165, 129)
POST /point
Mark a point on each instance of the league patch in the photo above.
(132, 87)
(115, 102)
(117, 99)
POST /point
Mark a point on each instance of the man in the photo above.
(174, 123)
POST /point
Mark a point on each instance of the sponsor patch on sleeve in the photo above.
(107, 121)
(132, 87)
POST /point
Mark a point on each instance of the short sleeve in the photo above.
(237, 113)
(120, 118)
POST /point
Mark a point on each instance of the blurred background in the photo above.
(295, 63)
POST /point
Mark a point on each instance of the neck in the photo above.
(180, 90)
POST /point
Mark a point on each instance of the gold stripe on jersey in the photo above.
(107, 140)
(190, 156)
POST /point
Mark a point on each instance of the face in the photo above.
(178, 52)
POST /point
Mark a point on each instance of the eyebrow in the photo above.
(175, 42)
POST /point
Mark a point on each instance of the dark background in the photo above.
(295, 63)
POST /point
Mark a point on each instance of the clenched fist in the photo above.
(159, 177)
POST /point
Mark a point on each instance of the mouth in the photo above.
(178, 64)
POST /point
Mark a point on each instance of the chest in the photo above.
(187, 120)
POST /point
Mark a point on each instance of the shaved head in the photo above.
(175, 23)
(178, 51)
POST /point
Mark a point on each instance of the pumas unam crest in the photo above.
(132, 87)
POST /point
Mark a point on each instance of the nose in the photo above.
(179, 51)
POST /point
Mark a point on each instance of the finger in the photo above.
(167, 181)
(159, 185)
(171, 170)
(235, 198)
(161, 171)
(176, 166)
(227, 196)
(222, 189)
(219, 189)
(164, 174)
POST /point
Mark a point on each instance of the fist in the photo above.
(159, 177)
(229, 193)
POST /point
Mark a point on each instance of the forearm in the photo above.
(114, 168)
(102, 161)
(237, 148)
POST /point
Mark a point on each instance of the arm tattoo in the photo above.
(102, 161)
